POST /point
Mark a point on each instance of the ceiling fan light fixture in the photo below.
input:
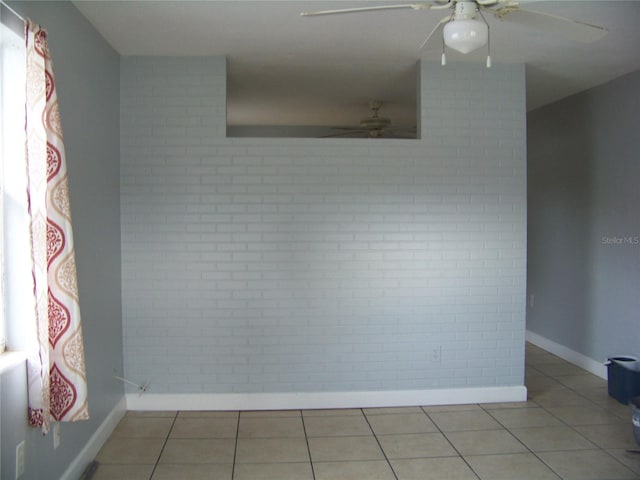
(375, 122)
(465, 35)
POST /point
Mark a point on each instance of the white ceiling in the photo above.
(284, 69)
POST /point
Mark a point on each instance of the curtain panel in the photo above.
(56, 369)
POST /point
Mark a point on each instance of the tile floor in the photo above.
(569, 429)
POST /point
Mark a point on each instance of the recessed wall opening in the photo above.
(320, 104)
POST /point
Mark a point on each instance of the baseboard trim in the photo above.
(571, 356)
(324, 400)
(95, 443)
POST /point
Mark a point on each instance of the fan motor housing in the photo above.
(375, 122)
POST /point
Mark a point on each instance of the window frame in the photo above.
(15, 261)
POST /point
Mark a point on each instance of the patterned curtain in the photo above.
(56, 370)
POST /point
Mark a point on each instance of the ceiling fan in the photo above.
(462, 31)
(374, 126)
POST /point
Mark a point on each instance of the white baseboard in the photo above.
(571, 356)
(303, 401)
(95, 443)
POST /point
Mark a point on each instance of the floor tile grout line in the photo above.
(393, 471)
(306, 438)
(444, 435)
(164, 444)
(562, 421)
(572, 427)
(530, 450)
(235, 448)
(590, 401)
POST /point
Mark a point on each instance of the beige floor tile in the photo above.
(583, 415)
(463, 421)
(543, 358)
(532, 349)
(349, 425)
(559, 369)
(272, 450)
(141, 451)
(485, 442)
(338, 449)
(544, 439)
(600, 397)
(558, 397)
(416, 445)
(392, 410)
(273, 471)
(123, 472)
(568, 415)
(212, 471)
(536, 382)
(584, 380)
(619, 435)
(505, 405)
(597, 394)
(536, 359)
(446, 468)
(451, 408)
(587, 465)
(332, 412)
(270, 427)
(525, 417)
(270, 413)
(159, 413)
(520, 466)
(143, 427)
(208, 414)
(197, 451)
(631, 460)
(401, 423)
(531, 371)
(205, 427)
(369, 470)
(539, 384)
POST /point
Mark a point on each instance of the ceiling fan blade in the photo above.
(346, 133)
(414, 6)
(400, 133)
(439, 26)
(571, 29)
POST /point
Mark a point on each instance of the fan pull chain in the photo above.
(488, 38)
(443, 60)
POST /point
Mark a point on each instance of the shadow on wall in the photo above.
(559, 219)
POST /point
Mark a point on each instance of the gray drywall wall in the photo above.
(584, 222)
(87, 77)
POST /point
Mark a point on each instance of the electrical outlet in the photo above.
(532, 300)
(56, 435)
(20, 460)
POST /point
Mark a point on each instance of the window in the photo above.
(15, 282)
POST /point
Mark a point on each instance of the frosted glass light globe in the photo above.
(465, 35)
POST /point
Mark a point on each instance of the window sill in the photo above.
(9, 360)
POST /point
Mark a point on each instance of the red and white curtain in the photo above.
(56, 369)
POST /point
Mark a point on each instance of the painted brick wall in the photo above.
(301, 265)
